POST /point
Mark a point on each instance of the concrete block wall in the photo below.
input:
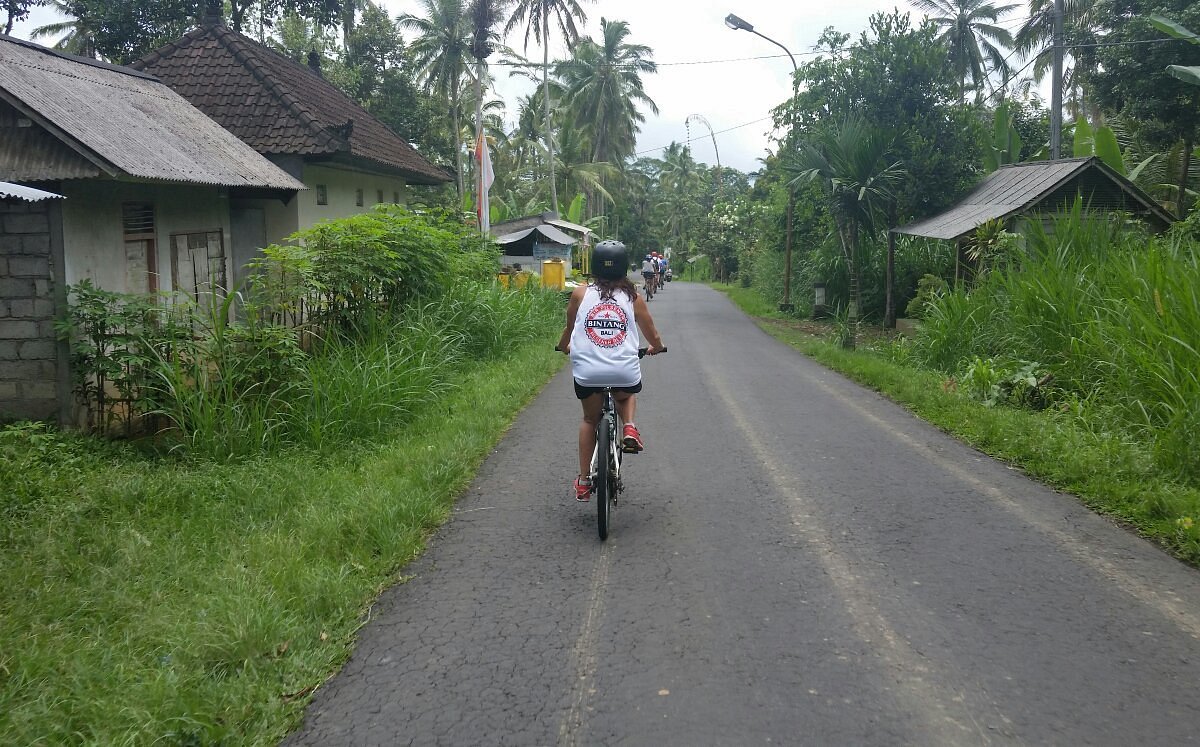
(29, 375)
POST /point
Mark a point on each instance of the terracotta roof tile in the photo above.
(276, 105)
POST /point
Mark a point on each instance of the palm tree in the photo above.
(442, 53)
(971, 34)
(604, 88)
(851, 163)
(1036, 38)
(75, 35)
(536, 15)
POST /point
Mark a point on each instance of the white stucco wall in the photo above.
(93, 240)
(341, 186)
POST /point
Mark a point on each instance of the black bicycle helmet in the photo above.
(610, 260)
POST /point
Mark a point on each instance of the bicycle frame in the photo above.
(611, 420)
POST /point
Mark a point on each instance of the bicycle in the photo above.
(651, 286)
(607, 458)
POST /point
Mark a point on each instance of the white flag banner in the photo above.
(486, 176)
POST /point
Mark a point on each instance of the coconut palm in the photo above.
(442, 53)
(977, 45)
(852, 164)
(75, 35)
(537, 16)
(604, 88)
(1036, 38)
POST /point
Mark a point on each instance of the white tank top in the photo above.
(605, 341)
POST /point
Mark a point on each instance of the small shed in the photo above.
(532, 246)
(1041, 187)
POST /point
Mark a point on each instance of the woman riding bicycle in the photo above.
(606, 322)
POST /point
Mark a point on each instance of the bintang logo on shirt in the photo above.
(606, 325)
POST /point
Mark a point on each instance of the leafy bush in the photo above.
(929, 287)
(114, 339)
(342, 273)
(1112, 311)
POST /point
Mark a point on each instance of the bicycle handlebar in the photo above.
(641, 351)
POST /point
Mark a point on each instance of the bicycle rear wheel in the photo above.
(600, 481)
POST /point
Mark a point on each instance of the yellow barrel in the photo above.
(554, 274)
(522, 278)
(503, 277)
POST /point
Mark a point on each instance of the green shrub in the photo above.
(1112, 312)
(929, 287)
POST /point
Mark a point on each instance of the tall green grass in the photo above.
(1113, 313)
(153, 600)
(360, 383)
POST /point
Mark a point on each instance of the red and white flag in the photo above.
(483, 160)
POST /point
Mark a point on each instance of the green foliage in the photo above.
(895, 79)
(165, 601)
(1005, 145)
(992, 382)
(347, 272)
(1113, 314)
(114, 338)
(250, 390)
(929, 288)
(36, 462)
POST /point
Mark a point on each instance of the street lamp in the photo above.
(739, 24)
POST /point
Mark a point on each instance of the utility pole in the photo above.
(1057, 83)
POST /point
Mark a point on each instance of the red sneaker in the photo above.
(632, 440)
(583, 489)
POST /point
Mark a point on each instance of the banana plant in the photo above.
(1005, 147)
(1186, 73)
(1100, 142)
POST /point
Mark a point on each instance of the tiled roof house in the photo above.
(289, 113)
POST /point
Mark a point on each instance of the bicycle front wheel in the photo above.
(600, 481)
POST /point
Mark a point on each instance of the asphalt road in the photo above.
(797, 561)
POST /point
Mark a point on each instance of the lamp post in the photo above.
(738, 24)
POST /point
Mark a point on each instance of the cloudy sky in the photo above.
(704, 66)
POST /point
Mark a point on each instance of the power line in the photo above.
(688, 142)
(503, 63)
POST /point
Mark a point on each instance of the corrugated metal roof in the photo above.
(129, 123)
(280, 106)
(1038, 185)
(548, 232)
(28, 194)
(570, 226)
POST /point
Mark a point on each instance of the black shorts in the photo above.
(583, 392)
(648, 275)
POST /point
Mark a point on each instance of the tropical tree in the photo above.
(1035, 38)
(537, 15)
(604, 89)
(17, 10)
(1133, 78)
(442, 53)
(74, 36)
(977, 45)
(853, 165)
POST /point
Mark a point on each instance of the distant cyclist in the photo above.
(649, 273)
(606, 324)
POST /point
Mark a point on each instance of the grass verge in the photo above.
(147, 601)
(1109, 471)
